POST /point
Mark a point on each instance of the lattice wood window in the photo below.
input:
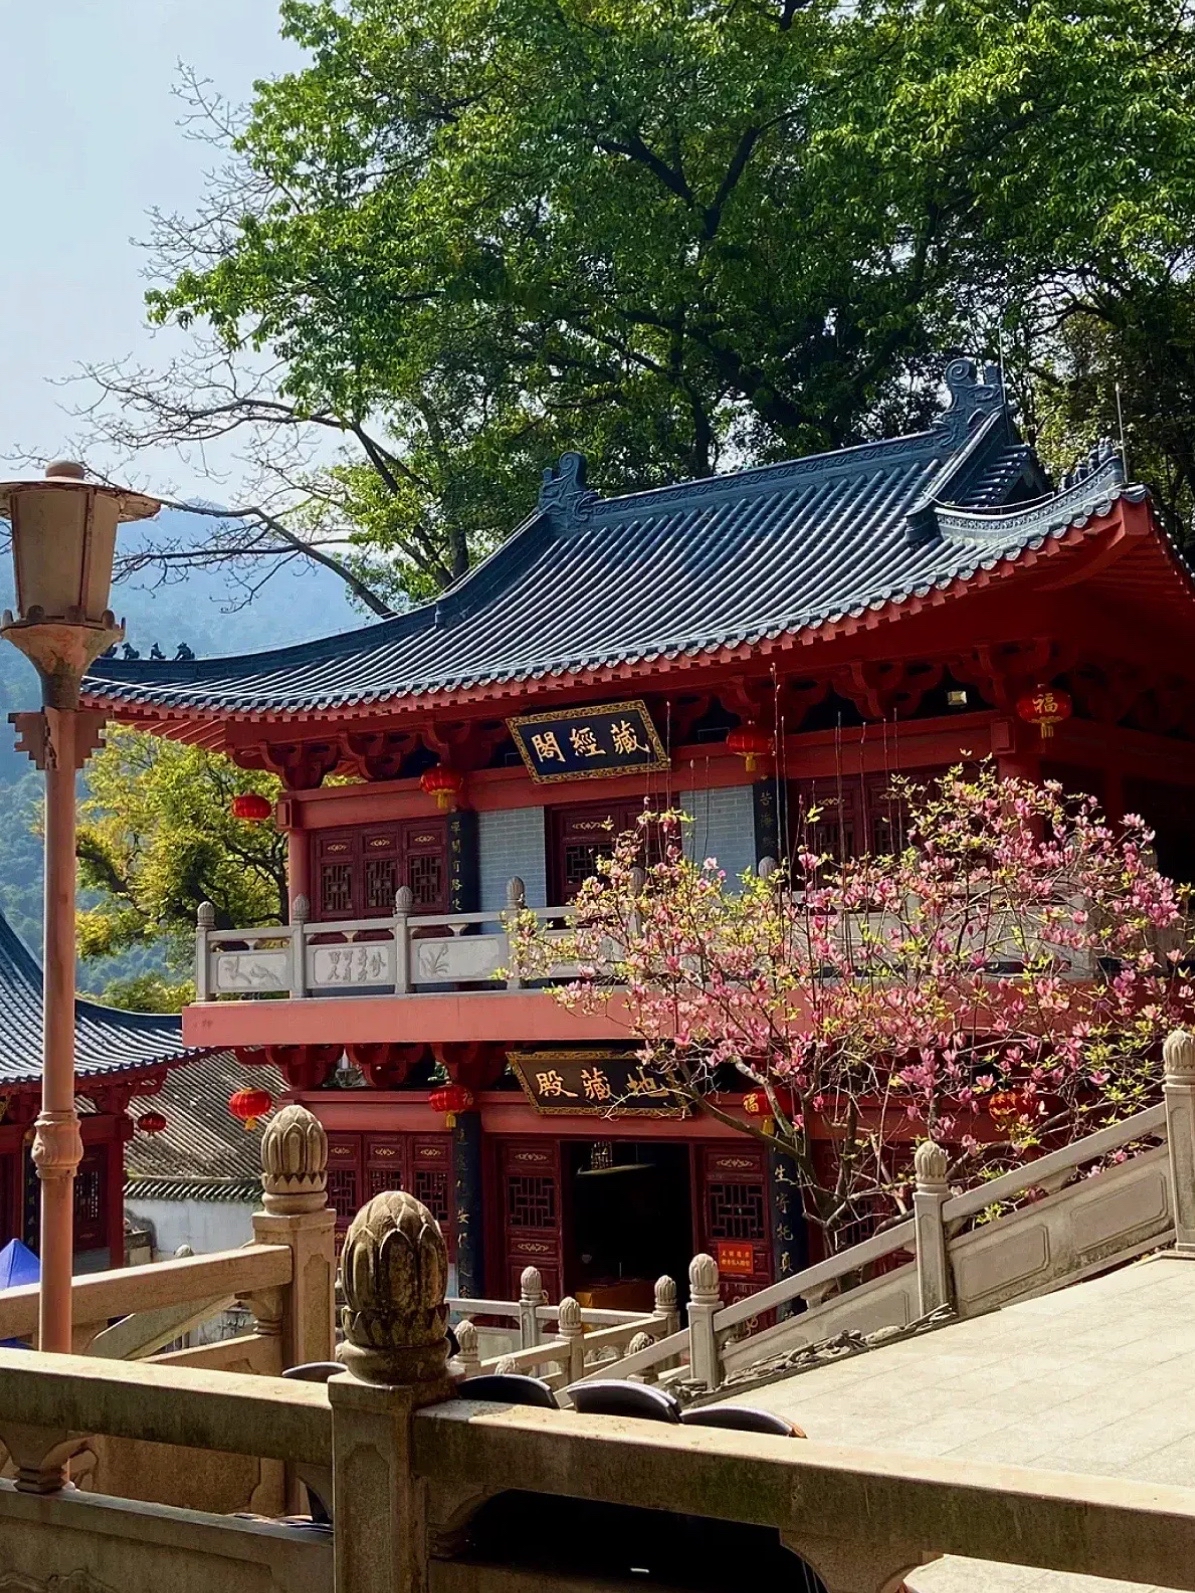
(530, 1201)
(425, 876)
(359, 870)
(382, 1179)
(736, 1211)
(343, 1196)
(381, 882)
(431, 1187)
(580, 862)
(336, 888)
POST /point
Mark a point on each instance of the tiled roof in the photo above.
(107, 1041)
(203, 1152)
(591, 583)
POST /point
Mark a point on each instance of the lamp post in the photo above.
(63, 543)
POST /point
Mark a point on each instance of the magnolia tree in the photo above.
(1001, 984)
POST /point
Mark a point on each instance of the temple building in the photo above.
(120, 1059)
(741, 646)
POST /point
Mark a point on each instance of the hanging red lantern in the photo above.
(1045, 708)
(251, 807)
(451, 1099)
(444, 784)
(249, 1105)
(755, 1104)
(751, 743)
(151, 1122)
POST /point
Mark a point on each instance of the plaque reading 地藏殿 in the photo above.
(593, 1084)
(587, 743)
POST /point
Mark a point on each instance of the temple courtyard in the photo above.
(1098, 1378)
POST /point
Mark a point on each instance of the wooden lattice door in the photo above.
(579, 836)
(532, 1213)
(356, 872)
(346, 1177)
(735, 1216)
(361, 1166)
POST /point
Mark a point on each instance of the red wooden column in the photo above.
(122, 1131)
(1017, 749)
(298, 853)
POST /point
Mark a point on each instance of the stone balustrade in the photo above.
(408, 1468)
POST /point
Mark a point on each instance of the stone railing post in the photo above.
(930, 1194)
(404, 901)
(1178, 1055)
(516, 900)
(294, 1181)
(394, 1268)
(704, 1300)
(468, 1353)
(531, 1295)
(641, 1341)
(666, 1312)
(300, 912)
(205, 922)
(572, 1330)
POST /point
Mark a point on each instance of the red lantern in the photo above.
(751, 743)
(251, 807)
(151, 1122)
(444, 784)
(1045, 708)
(755, 1104)
(249, 1105)
(450, 1099)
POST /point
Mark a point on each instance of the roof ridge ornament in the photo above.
(1094, 461)
(972, 397)
(564, 491)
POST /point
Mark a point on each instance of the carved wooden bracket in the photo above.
(38, 740)
(379, 755)
(1004, 671)
(386, 1066)
(301, 765)
(879, 690)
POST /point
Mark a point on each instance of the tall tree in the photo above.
(157, 837)
(672, 235)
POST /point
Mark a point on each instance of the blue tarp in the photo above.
(18, 1265)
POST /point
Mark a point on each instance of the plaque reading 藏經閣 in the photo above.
(587, 743)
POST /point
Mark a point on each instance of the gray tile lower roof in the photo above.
(588, 583)
(107, 1041)
(202, 1143)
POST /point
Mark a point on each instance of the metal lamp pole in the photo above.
(63, 542)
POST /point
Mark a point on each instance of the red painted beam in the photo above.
(531, 1017)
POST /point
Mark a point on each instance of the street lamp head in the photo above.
(63, 543)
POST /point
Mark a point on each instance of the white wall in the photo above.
(511, 842)
(205, 1225)
(723, 827)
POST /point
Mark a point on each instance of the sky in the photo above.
(89, 142)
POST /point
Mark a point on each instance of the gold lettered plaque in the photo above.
(594, 1084)
(588, 743)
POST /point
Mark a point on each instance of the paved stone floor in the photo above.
(1099, 1378)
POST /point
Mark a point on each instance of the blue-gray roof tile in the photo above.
(592, 583)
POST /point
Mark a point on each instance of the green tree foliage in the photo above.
(469, 234)
(156, 838)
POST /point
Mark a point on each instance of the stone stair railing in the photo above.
(415, 1487)
(1077, 1226)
